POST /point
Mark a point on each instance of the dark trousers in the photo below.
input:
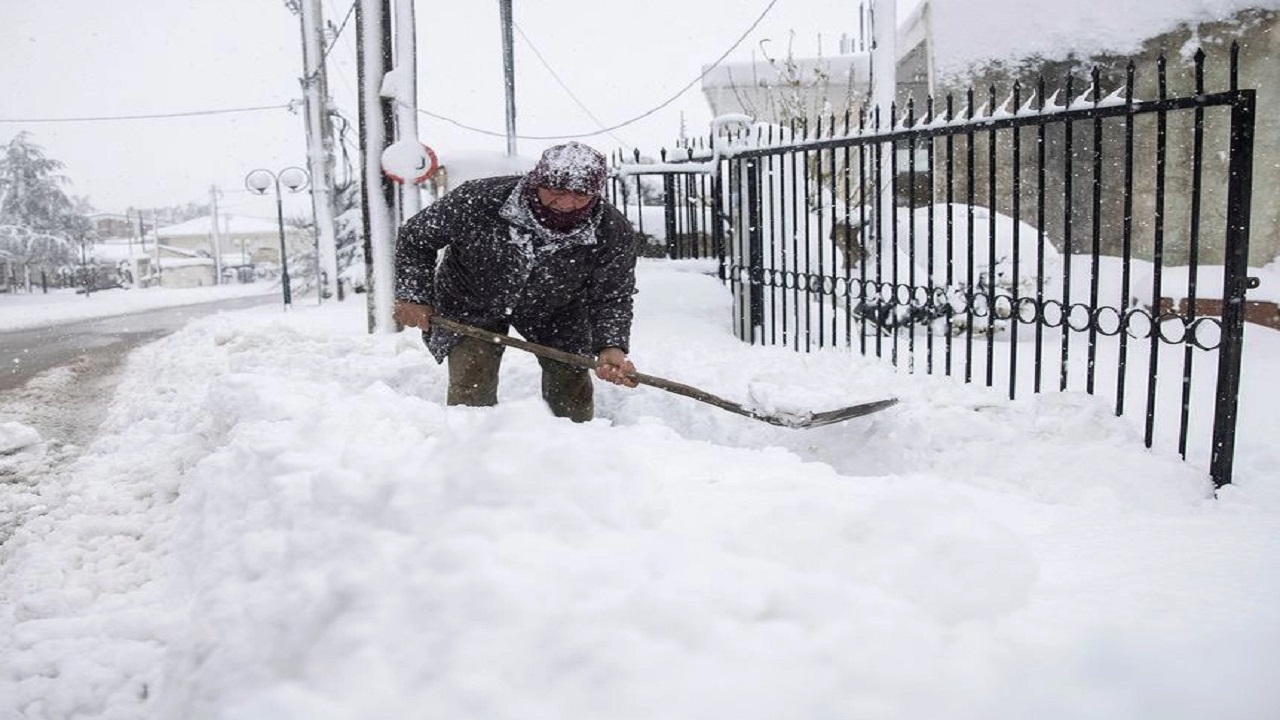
(473, 380)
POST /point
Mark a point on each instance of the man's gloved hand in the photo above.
(612, 365)
(412, 314)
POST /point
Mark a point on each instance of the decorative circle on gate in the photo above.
(981, 303)
(1138, 324)
(1107, 321)
(1028, 310)
(1052, 314)
(1079, 317)
(1172, 328)
(940, 298)
(901, 294)
(1206, 333)
(1003, 306)
(828, 285)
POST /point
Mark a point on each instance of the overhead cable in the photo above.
(633, 120)
(153, 116)
(562, 84)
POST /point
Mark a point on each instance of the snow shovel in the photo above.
(781, 419)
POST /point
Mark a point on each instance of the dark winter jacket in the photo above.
(571, 291)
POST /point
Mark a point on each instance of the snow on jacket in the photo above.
(571, 291)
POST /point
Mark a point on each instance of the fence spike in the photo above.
(1162, 77)
(1003, 111)
(1114, 98)
(847, 112)
(1083, 99)
(1199, 57)
(1030, 106)
(1234, 70)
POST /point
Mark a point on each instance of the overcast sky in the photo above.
(93, 58)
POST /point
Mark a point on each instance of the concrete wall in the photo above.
(1258, 33)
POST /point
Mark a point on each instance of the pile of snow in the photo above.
(281, 520)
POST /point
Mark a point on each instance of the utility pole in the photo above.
(158, 272)
(377, 195)
(315, 86)
(217, 236)
(509, 73)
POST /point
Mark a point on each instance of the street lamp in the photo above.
(294, 179)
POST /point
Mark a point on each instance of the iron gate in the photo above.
(1044, 239)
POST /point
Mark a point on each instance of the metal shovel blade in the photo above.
(789, 420)
(829, 417)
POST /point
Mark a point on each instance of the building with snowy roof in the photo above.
(236, 240)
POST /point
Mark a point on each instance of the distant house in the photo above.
(242, 240)
(782, 89)
(112, 225)
(181, 268)
(133, 263)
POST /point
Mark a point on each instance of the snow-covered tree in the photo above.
(39, 223)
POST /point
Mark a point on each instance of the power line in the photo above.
(562, 84)
(350, 11)
(191, 113)
(633, 120)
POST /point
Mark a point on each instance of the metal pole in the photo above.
(509, 73)
(1235, 284)
(377, 194)
(315, 96)
(284, 255)
(216, 238)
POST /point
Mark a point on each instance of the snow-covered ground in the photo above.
(24, 310)
(281, 519)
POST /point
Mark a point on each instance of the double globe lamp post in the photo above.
(294, 179)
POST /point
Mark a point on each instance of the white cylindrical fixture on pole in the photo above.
(380, 255)
(407, 97)
(319, 146)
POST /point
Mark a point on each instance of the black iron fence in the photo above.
(1069, 238)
